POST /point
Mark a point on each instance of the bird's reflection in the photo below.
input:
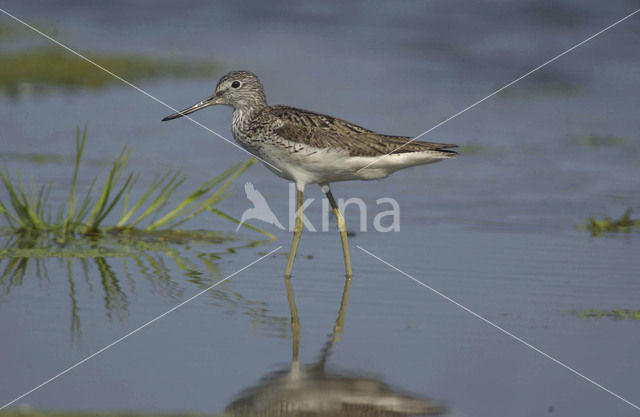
(310, 390)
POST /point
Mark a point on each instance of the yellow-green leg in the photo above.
(342, 227)
(297, 231)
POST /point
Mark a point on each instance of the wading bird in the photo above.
(312, 148)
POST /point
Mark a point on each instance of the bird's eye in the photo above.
(235, 84)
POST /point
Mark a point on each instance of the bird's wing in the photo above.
(322, 131)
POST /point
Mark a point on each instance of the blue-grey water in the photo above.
(496, 229)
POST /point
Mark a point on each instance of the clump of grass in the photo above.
(28, 213)
(7, 31)
(45, 68)
(624, 224)
(12, 30)
(553, 85)
(604, 141)
(615, 314)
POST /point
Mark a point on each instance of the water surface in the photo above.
(496, 229)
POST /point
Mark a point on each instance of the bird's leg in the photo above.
(342, 227)
(297, 231)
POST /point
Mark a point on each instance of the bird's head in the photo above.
(238, 89)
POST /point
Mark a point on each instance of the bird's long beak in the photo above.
(209, 101)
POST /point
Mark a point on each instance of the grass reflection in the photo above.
(116, 265)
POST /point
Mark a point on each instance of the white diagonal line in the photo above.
(529, 345)
(134, 86)
(53, 378)
(502, 88)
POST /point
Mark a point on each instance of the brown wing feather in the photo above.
(324, 131)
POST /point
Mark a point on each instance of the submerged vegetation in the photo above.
(625, 224)
(551, 84)
(13, 31)
(29, 214)
(31, 65)
(41, 69)
(615, 314)
(593, 140)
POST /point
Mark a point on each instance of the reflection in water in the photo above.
(313, 391)
(116, 269)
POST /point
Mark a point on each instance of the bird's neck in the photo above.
(242, 115)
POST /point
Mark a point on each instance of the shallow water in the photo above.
(496, 229)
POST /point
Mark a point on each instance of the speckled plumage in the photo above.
(321, 131)
(312, 148)
(308, 147)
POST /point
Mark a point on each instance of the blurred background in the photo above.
(502, 229)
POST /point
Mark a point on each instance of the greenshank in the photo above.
(312, 148)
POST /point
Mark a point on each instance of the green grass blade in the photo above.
(84, 207)
(157, 182)
(80, 142)
(184, 206)
(114, 174)
(43, 200)
(238, 169)
(127, 194)
(161, 198)
(12, 220)
(28, 207)
(123, 159)
(236, 221)
(114, 201)
(49, 215)
(20, 215)
(60, 215)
